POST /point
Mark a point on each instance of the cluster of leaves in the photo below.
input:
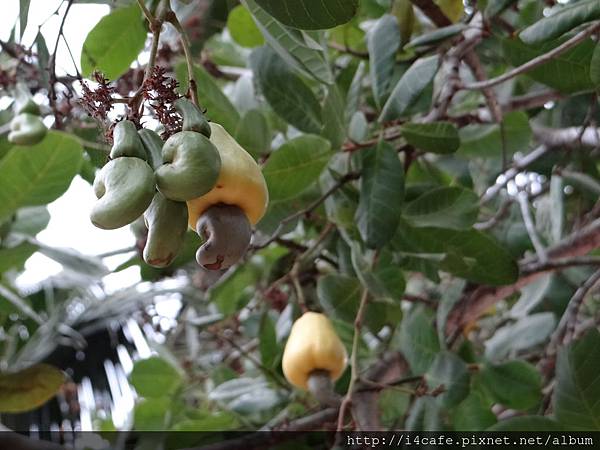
(381, 163)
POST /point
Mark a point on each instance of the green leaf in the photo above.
(436, 137)
(567, 73)
(296, 165)
(15, 257)
(242, 28)
(294, 46)
(114, 43)
(286, 92)
(483, 141)
(267, 344)
(339, 295)
(390, 276)
(154, 377)
(23, 14)
(383, 41)
(446, 207)
(467, 254)
(527, 423)
(381, 195)
(354, 92)
(424, 415)
(334, 125)
(495, 7)
(577, 389)
(409, 87)
(234, 292)
(436, 36)
(29, 388)
(43, 58)
(253, 133)
(418, 340)
(566, 18)
(311, 14)
(218, 107)
(151, 414)
(514, 384)
(450, 372)
(526, 333)
(473, 413)
(358, 128)
(405, 14)
(38, 174)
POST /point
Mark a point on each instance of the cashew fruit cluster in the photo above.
(313, 349)
(200, 176)
(26, 127)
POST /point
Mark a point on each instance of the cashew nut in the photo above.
(227, 232)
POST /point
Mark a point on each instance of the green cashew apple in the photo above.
(153, 145)
(126, 141)
(191, 166)
(124, 188)
(226, 231)
(26, 129)
(193, 119)
(167, 223)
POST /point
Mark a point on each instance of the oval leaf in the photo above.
(286, 92)
(409, 87)
(577, 387)
(437, 137)
(242, 28)
(296, 165)
(114, 43)
(311, 14)
(383, 42)
(292, 45)
(38, 174)
(381, 195)
(154, 377)
(447, 207)
(565, 19)
(29, 388)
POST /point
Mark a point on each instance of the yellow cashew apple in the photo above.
(313, 345)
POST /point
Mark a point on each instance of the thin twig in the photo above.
(535, 62)
(155, 24)
(52, 66)
(560, 263)
(147, 14)
(185, 43)
(310, 208)
(354, 376)
(523, 201)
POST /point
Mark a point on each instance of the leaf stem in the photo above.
(171, 17)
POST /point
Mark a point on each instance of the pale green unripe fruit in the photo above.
(124, 187)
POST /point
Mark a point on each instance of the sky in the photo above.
(69, 225)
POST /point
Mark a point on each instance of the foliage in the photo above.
(433, 190)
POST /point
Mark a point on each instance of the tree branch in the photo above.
(535, 62)
(567, 137)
